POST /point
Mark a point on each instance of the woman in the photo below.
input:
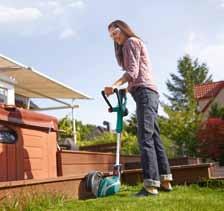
(131, 55)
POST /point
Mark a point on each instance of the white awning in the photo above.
(33, 84)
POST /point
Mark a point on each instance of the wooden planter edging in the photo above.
(70, 186)
(110, 147)
(81, 162)
(186, 174)
(76, 162)
(192, 173)
(74, 186)
(184, 161)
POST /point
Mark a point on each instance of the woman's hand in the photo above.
(109, 90)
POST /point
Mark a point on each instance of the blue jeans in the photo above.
(154, 160)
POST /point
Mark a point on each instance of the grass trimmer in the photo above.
(96, 183)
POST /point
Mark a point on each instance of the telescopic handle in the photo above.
(118, 97)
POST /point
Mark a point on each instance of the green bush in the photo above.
(104, 138)
(129, 144)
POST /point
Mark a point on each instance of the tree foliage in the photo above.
(183, 121)
(181, 85)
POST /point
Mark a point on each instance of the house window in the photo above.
(3, 95)
(7, 135)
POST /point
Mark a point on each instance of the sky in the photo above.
(68, 41)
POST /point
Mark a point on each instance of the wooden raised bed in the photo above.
(110, 147)
(80, 162)
(74, 186)
(72, 163)
(73, 166)
(192, 173)
(173, 162)
(187, 174)
(184, 161)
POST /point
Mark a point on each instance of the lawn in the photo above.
(181, 198)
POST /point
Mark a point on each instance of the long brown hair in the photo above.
(125, 28)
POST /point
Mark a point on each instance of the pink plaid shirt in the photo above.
(137, 64)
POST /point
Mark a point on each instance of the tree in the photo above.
(183, 122)
(65, 125)
(181, 128)
(181, 86)
(83, 131)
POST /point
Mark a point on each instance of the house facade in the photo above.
(207, 95)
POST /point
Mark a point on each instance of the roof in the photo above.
(208, 90)
(33, 84)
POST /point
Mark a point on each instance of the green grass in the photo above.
(181, 198)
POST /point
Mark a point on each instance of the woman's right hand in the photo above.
(108, 90)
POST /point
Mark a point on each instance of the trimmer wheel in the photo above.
(93, 179)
